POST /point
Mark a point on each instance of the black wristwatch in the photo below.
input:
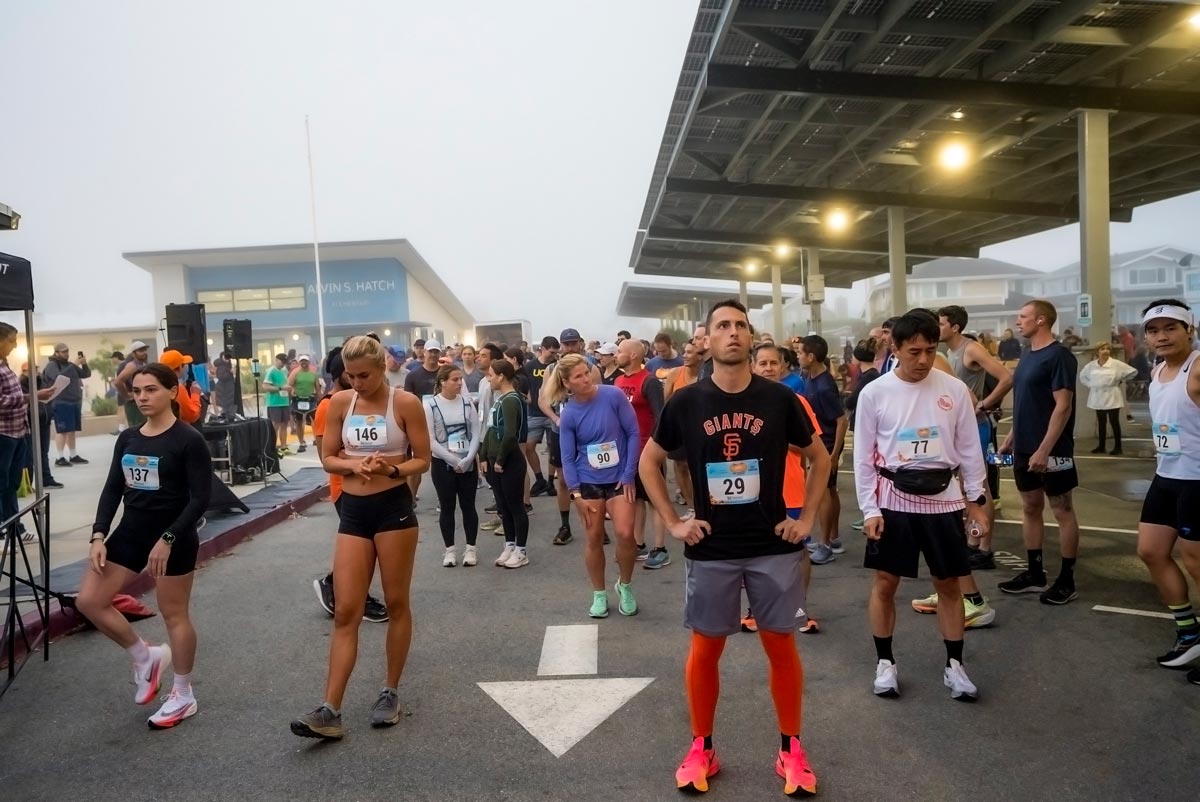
(394, 473)
(980, 501)
(168, 538)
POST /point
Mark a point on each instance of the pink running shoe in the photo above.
(147, 681)
(792, 766)
(697, 767)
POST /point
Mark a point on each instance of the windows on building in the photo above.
(1147, 277)
(259, 299)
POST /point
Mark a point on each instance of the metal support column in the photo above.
(814, 287)
(743, 293)
(897, 261)
(777, 301)
(1095, 276)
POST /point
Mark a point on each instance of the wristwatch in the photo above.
(575, 494)
(168, 537)
(980, 501)
(394, 473)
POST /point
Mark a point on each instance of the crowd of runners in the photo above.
(752, 433)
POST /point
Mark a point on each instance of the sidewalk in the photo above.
(73, 508)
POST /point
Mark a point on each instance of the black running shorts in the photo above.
(1174, 503)
(554, 449)
(131, 542)
(1054, 483)
(940, 536)
(387, 511)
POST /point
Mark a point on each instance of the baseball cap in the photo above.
(570, 336)
(173, 359)
(305, 358)
(137, 345)
(419, 343)
(433, 345)
(397, 352)
(608, 349)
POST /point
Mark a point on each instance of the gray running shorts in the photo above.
(774, 584)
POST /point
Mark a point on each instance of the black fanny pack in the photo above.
(920, 482)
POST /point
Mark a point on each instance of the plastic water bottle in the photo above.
(974, 531)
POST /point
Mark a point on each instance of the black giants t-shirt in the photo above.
(1038, 375)
(737, 449)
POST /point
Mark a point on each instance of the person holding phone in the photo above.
(161, 473)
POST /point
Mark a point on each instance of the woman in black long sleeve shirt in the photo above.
(504, 463)
(162, 473)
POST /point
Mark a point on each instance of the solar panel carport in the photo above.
(785, 109)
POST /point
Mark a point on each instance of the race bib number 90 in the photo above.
(603, 455)
(733, 482)
(367, 432)
(141, 473)
(919, 444)
(1166, 439)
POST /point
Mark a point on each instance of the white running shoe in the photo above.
(173, 711)
(960, 685)
(689, 515)
(449, 560)
(504, 555)
(470, 556)
(887, 679)
(148, 679)
(517, 559)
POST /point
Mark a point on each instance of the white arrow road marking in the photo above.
(569, 650)
(561, 712)
(1100, 608)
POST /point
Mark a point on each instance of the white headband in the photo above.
(1168, 311)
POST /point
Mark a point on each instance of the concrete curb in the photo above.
(65, 621)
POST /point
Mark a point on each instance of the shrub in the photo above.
(104, 406)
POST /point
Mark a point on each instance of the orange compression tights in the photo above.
(787, 678)
(702, 676)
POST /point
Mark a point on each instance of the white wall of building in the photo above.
(424, 307)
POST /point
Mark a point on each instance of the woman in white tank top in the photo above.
(376, 437)
(1171, 511)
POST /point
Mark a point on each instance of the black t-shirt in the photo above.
(821, 393)
(166, 479)
(420, 382)
(535, 373)
(866, 377)
(1038, 375)
(726, 434)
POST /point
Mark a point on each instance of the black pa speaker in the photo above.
(186, 331)
(238, 339)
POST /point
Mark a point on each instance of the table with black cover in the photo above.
(251, 446)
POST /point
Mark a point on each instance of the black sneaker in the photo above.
(1185, 650)
(980, 560)
(563, 537)
(61, 463)
(1193, 676)
(52, 483)
(1025, 582)
(302, 449)
(550, 490)
(529, 509)
(324, 588)
(538, 488)
(607, 539)
(375, 611)
(78, 460)
(1060, 593)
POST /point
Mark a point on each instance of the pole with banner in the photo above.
(1084, 310)
(312, 194)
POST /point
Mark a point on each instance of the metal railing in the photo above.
(19, 574)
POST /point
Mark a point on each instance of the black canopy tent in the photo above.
(16, 295)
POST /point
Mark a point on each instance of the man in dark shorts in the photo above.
(822, 394)
(539, 425)
(737, 429)
(914, 429)
(1042, 442)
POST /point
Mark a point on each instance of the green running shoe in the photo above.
(599, 604)
(627, 605)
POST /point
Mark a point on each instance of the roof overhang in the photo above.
(663, 300)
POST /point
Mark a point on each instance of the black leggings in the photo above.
(455, 488)
(510, 497)
(1113, 417)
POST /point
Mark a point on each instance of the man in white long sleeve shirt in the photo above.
(914, 429)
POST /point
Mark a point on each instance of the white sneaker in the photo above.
(517, 559)
(173, 711)
(887, 679)
(504, 555)
(470, 556)
(687, 516)
(960, 685)
(448, 558)
(147, 680)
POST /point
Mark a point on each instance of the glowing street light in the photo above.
(837, 221)
(953, 156)
(750, 267)
(783, 250)
(957, 114)
(1194, 20)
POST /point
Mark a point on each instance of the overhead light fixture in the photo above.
(387, 332)
(783, 250)
(1194, 20)
(750, 267)
(210, 340)
(295, 338)
(837, 220)
(957, 114)
(953, 156)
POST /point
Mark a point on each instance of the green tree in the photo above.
(102, 364)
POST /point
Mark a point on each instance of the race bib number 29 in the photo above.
(733, 482)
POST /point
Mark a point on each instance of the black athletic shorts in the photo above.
(367, 516)
(554, 449)
(1174, 503)
(640, 489)
(940, 536)
(1055, 483)
(600, 492)
(131, 542)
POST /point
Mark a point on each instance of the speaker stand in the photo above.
(262, 457)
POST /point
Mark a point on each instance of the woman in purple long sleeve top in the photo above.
(598, 434)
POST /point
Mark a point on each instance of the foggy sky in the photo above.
(511, 143)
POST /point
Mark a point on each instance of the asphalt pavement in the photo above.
(1072, 704)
